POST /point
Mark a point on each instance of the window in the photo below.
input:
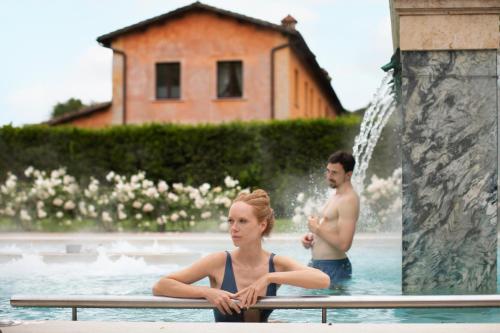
(229, 79)
(168, 80)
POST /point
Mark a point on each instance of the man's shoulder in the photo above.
(351, 196)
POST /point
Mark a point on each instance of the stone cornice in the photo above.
(445, 24)
(446, 7)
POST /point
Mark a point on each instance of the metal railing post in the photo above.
(323, 315)
(73, 314)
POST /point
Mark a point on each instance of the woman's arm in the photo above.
(289, 271)
(178, 284)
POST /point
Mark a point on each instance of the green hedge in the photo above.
(279, 156)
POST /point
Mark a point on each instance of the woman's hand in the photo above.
(223, 300)
(248, 296)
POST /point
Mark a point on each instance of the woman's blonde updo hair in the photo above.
(261, 204)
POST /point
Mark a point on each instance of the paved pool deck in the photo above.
(149, 327)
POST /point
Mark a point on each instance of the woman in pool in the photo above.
(245, 273)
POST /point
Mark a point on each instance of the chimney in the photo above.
(289, 22)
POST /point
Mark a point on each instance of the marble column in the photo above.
(449, 105)
(449, 108)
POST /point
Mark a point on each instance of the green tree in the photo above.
(71, 105)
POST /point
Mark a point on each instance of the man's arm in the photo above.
(340, 237)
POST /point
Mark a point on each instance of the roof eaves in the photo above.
(106, 39)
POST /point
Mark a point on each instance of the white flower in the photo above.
(147, 183)
(162, 186)
(121, 215)
(300, 197)
(54, 174)
(230, 182)
(93, 187)
(161, 220)
(41, 214)
(206, 215)
(199, 203)
(134, 179)
(10, 211)
(29, 171)
(137, 204)
(91, 210)
(82, 208)
(174, 217)
(110, 176)
(183, 213)
(24, 215)
(106, 217)
(40, 205)
(57, 202)
(68, 179)
(148, 208)
(138, 216)
(191, 223)
(69, 205)
(151, 192)
(67, 222)
(224, 226)
(11, 183)
(217, 189)
(59, 215)
(173, 197)
(178, 187)
(204, 188)
(193, 193)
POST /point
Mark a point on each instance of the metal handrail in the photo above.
(270, 302)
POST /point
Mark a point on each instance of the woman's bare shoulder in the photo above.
(284, 263)
(216, 258)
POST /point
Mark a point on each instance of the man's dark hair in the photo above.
(345, 159)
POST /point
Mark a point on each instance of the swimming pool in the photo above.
(113, 265)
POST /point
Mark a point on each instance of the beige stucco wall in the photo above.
(445, 24)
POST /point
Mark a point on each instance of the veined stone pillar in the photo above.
(449, 105)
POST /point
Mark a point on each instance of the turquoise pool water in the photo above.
(376, 271)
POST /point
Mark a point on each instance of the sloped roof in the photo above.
(297, 42)
(86, 111)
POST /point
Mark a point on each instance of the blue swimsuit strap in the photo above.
(229, 281)
(229, 284)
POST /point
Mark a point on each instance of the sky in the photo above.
(50, 53)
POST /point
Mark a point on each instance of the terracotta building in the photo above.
(201, 64)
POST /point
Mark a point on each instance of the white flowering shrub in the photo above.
(384, 197)
(380, 204)
(135, 202)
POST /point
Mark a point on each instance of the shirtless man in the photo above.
(331, 234)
